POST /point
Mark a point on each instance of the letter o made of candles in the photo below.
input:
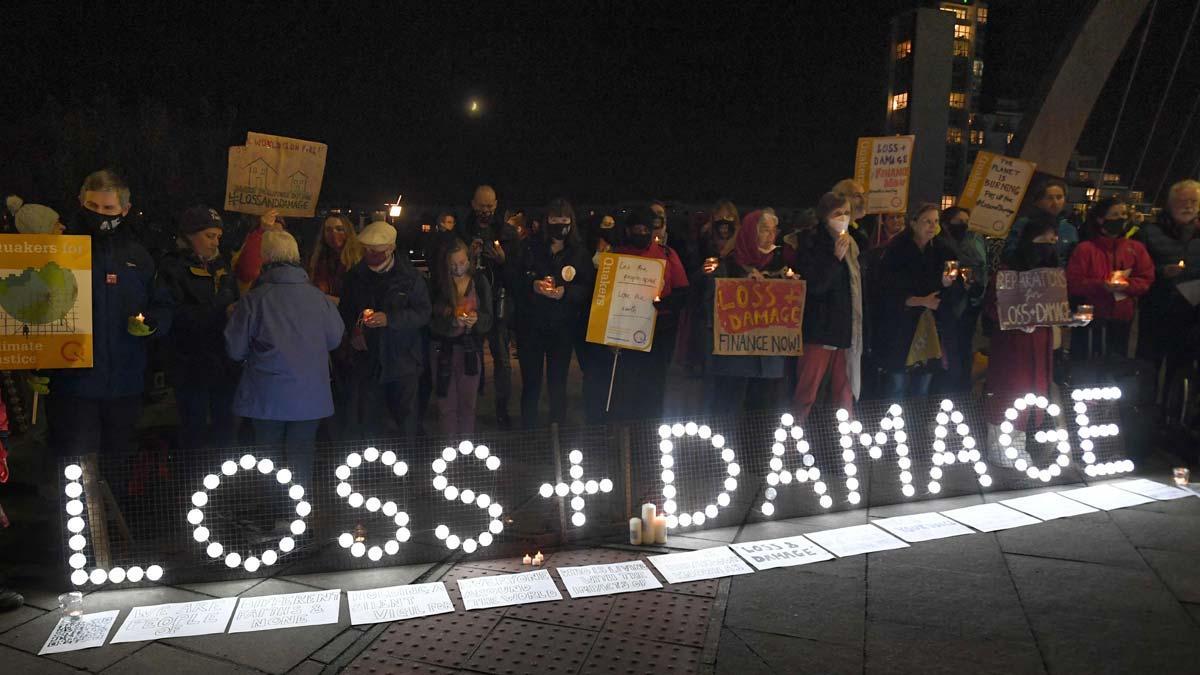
(270, 556)
(670, 494)
(948, 418)
(345, 490)
(467, 496)
(790, 434)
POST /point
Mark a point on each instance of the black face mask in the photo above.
(558, 231)
(1113, 228)
(957, 229)
(638, 241)
(98, 224)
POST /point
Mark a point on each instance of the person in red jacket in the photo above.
(248, 262)
(1109, 272)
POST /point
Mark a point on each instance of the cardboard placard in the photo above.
(275, 172)
(1034, 298)
(46, 301)
(622, 577)
(768, 554)
(289, 610)
(508, 589)
(396, 603)
(178, 619)
(883, 167)
(83, 632)
(758, 317)
(855, 540)
(993, 192)
(623, 311)
(709, 563)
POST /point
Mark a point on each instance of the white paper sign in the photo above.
(508, 589)
(922, 527)
(395, 603)
(83, 632)
(289, 610)
(1154, 490)
(990, 517)
(709, 563)
(783, 552)
(1106, 497)
(179, 619)
(847, 541)
(1048, 506)
(622, 577)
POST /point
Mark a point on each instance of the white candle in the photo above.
(635, 531)
(660, 530)
(648, 513)
(527, 560)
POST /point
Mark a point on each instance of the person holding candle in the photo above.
(959, 315)
(493, 242)
(282, 332)
(1049, 200)
(1170, 325)
(854, 191)
(97, 409)
(385, 304)
(554, 287)
(462, 315)
(1109, 272)
(715, 240)
(199, 279)
(337, 252)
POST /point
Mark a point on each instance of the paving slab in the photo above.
(970, 553)
(360, 580)
(273, 651)
(222, 589)
(20, 663)
(1179, 571)
(1149, 529)
(1184, 506)
(1088, 649)
(445, 640)
(1091, 537)
(157, 657)
(334, 648)
(927, 506)
(20, 615)
(661, 617)
(734, 657)
(905, 648)
(398, 668)
(615, 654)
(784, 654)
(955, 605)
(30, 636)
(582, 613)
(798, 603)
(308, 668)
(522, 647)
(42, 598)
(723, 535)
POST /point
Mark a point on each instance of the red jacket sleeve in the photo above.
(249, 262)
(675, 272)
(1085, 277)
(1142, 276)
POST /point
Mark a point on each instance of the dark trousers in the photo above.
(958, 339)
(596, 362)
(205, 415)
(1099, 339)
(80, 425)
(728, 395)
(545, 350)
(498, 340)
(298, 440)
(900, 384)
(638, 390)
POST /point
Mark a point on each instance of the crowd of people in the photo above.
(358, 337)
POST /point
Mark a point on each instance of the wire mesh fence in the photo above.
(246, 511)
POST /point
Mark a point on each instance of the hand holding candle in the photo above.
(137, 326)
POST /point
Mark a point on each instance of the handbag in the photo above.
(925, 346)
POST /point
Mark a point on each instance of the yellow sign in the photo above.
(883, 167)
(45, 301)
(275, 172)
(623, 311)
(994, 191)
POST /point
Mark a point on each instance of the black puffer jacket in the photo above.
(396, 349)
(829, 306)
(202, 292)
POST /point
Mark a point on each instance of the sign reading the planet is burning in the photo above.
(275, 172)
(45, 301)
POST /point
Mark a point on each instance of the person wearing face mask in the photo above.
(385, 304)
(1049, 197)
(913, 289)
(96, 410)
(247, 262)
(553, 289)
(714, 240)
(736, 383)
(833, 312)
(204, 290)
(592, 357)
(1169, 320)
(959, 315)
(492, 243)
(462, 315)
(854, 192)
(1110, 273)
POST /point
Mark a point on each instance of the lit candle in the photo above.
(527, 560)
(538, 559)
(1181, 264)
(367, 314)
(660, 529)
(1182, 475)
(1085, 313)
(635, 531)
(648, 513)
(140, 318)
(950, 269)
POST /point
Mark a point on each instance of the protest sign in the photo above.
(709, 563)
(990, 517)
(623, 311)
(922, 527)
(622, 577)
(395, 603)
(275, 172)
(79, 632)
(993, 192)
(289, 610)
(179, 619)
(847, 541)
(883, 167)
(785, 552)
(508, 589)
(45, 301)
(1048, 506)
(1106, 497)
(754, 317)
(1033, 298)
(1149, 488)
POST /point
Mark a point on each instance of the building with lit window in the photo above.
(1086, 184)
(934, 78)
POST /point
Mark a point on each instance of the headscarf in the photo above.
(745, 250)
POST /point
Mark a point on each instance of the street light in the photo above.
(395, 210)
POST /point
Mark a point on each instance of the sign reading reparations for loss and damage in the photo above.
(275, 172)
(754, 317)
(993, 192)
(1034, 298)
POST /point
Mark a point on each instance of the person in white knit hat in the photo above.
(34, 218)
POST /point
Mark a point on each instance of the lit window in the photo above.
(981, 14)
(958, 100)
(900, 101)
(1137, 196)
(962, 48)
(948, 201)
(1084, 177)
(1010, 137)
(1090, 193)
(962, 32)
(1112, 178)
(903, 49)
(954, 135)
(958, 12)
(977, 69)
(976, 137)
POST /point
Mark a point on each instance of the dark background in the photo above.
(600, 101)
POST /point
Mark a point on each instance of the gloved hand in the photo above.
(40, 384)
(137, 327)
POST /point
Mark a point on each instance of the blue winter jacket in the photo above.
(283, 331)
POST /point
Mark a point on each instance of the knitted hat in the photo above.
(199, 218)
(36, 219)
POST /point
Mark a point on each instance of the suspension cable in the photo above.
(1182, 134)
(1125, 96)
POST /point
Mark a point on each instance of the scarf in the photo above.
(854, 357)
(745, 250)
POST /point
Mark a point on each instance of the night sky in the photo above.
(760, 101)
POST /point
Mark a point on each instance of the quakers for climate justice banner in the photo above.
(45, 301)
